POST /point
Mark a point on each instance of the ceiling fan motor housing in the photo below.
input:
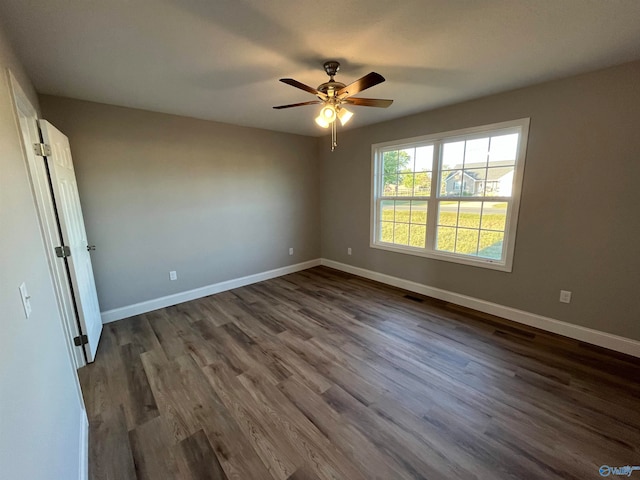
(335, 86)
(331, 67)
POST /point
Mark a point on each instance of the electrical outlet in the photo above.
(565, 296)
(173, 275)
(290, 250)
(349, 251)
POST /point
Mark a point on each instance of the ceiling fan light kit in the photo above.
(332, 95)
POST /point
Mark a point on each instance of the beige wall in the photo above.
(161, 192)
(40, 411)
(217, 202)
(579, 223)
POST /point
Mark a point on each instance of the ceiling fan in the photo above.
(333, 95)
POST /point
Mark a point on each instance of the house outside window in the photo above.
(452, 196)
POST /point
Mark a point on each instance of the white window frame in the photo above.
(520, 126)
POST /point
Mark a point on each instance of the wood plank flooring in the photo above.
(323, 375)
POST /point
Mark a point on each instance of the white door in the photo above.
(74, 236)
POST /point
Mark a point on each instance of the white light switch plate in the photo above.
(26, 299)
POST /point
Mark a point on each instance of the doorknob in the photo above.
(90, 247)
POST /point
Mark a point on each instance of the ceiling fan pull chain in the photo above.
(334, 136)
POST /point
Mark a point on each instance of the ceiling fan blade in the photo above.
(369, 102)
(297, 104)
(302, 86)
(361, 84)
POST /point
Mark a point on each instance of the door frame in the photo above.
(27, 120)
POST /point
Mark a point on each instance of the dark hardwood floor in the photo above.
(323, 375)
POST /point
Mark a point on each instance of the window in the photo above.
(452, 196)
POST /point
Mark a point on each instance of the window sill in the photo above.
(446, 257)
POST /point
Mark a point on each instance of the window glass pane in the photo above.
(474, 181)
(469, 214)
(446, 239)
(424, 159)
(422, 184)
(390, 162)
(405, 185)
(401, 234)
(468, 184)
(451, 183)
(406, 160)
(418, 235)
(386, 210)
(494, 216)
(452, 155)
(476, 152)
(397, 161)
(403, 210)
(419, 212)
(390, 184)
(467, 241)
(386, 232)
(499, 182)
(504, 149)
(491, 245)
(390, 166)
(448, 213)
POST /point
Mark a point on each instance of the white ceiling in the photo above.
(221, 59)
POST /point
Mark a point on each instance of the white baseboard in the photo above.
(83, 473)
(162, 302)
(588, 335)
(577, 332)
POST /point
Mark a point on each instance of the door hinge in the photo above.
(63, 252)
(41, 149)
(80, 340)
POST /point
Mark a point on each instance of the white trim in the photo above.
(162, 302)
(26, 118)
(460, 134)
(577, 332)
(83, 472)
(444, 256)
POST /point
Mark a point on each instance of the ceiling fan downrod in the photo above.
(331, 67)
